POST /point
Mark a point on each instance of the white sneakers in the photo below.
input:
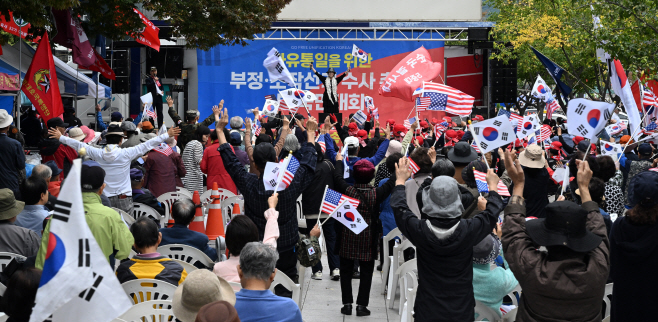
(335, 274)
(317, 275)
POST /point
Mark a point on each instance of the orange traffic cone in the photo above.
(236, 210)
(215, 223)
(197, 223)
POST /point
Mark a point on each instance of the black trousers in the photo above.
(157, 103)
(287, 264)
(346, 270)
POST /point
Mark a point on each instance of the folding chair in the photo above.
(285, 281)
(6, 258)
(386, 263)
(398, 250)
(142, 290)
(404, 282)
(151, 311)
(184, 192)
(186, 254)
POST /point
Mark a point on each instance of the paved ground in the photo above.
(321, 299)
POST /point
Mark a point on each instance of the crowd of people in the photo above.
(560, 242)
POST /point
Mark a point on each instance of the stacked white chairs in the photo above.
(128, 219)
(227, 206)
(140, 210)
(396, 261)
(188, 254)
(143, 290)
(285, 281)
(386, 265)
(151, 311)
(184, 192)
(406, 282)
(205, 198)
(6, 258)
(485, 313)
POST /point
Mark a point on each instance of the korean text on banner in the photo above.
(409, 74)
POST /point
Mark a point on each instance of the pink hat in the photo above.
(364, 170)
(89, 134)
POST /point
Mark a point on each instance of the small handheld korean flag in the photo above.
(611, 149)
(529, 125)
(77, 284)
(541, 91)
(347, 215)
(359, 53)
(295, 98)
(277, 69)
(588, 118)
(271, 175)
(493, 133)
(346, 166)
(360, 117)
(270, 108)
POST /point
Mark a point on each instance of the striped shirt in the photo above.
(192, 155)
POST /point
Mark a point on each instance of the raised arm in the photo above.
(172, 112)
(281, 139)
(144, 147)
(215, 114)
(339, 183)
(231, 163)
(99, 119)
(407, 137)
(408, 223)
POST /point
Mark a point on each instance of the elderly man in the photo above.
(12, 158)
(183, 211)
(116, 161)
(15, 239)
(43, 171)
(255, 301)
(54, 150)
(35, 196)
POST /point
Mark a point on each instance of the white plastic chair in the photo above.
(168, 199)
(511, 315)
(187, 266)
(151, 311)
(186, 254)
(386, 264)
(404, 282)
(184, 192)
(205, 197)
(142, 290)
(3, 317)
(398, 250)
(515, 295)
(6, 258)
(485, 313)
(220, 245)
(285, 281)
(140, 209)
(410, 289)
(227, 207)
(301, 219)
(126, 217)
(607, 298)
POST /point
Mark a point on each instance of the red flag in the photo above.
(150, 36)
(637, 95)
(15, 26)
(100, 66)
(409, 74)
(40, 84)
(71, 35)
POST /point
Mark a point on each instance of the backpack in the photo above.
(308, 251)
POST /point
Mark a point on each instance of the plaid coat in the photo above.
(252, 188)
(364, 245)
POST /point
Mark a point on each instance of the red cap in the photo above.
(447, 119)
(451, 134)
(556, 145)
(391, 122)
(352, 126)
(399, 128)
(577, 139)
(424, 124)
(478, 118)
(434, 120)
(518, 143)
(420, 140)
(460, 134)
(362, 134)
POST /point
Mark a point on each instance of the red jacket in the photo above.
(62, 154)
(213, 166)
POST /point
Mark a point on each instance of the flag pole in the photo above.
(566, 177)
(475, 138)
(20, 81)
(634, 132)
(282, 172)
(320, 211)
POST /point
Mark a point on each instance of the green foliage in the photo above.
(204, 23)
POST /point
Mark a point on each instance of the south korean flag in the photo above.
(296, 98)
(611, 149)
(77, 283)
(528, 126)
(270, 108)
(588, 118)
(347, 215)
(271, 175)
(359, 53)
(493, 133)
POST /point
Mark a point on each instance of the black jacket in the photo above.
(466, 196)
(148, 199)
(445, 265)
(312, 195)
(633, 262)
(536, 191)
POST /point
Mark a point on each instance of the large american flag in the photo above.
(481, 182)
(545, 132)
(290, 171)
(332, 199)
(422, 103)
(164, 148)
(448, 99)
(648, 98)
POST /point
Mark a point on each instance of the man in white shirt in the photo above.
(116, 161)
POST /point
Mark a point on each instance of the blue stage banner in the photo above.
(236, 74)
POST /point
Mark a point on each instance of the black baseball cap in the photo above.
(643, 189)
(56, 122)
(91, 178)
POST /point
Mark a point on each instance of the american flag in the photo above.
(150, 112)
(290, 171)
(322, 143)
(439, 128)
(475, 146)
(332, 199)
(413, 166)
(651, 127)
(422, 103)
(551, 107)
(407, 123)
(283, 106)
(271, 97)
(545, 132)
(449, 99)
(481, 182)
(256, 127)
(648, 98)
(513, 117)
(164, 148)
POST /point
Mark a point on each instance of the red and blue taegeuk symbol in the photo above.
(361, 52)
(608, 147)
(55, 256)
(269, 107)
(299, 94)
(541, 89)
(349, 216)
(527, 125)
(490, 133)
(593, 118)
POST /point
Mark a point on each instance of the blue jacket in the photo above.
(386, 216)
(32, 218)
(179, 234)
(99, 120)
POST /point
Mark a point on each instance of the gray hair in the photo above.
(183, 211)
(291, 143)
(236, 123)
(443, 167)
(42, 171)
(258, 260)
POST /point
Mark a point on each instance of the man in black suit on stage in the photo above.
(155, 88)
(330, 96)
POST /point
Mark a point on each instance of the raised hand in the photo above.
(170, 101)
(247, 124)
(482, 203)
(432, 153)
(273, 200)
(216, 111)
(98, 107)
(173, 131)
(402, 171)
(414, 126)
(223, 121)
(387, 131)
(286, 123)
(492, 180)
(311, 125)
(54, 133)
(515, 172)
